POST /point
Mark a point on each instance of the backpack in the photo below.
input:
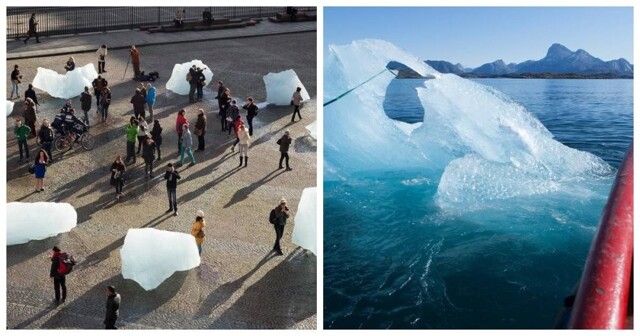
(189, 77)
(272, 217)
(65, 263)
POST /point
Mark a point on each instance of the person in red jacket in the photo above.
(236, 127)
(58, 279)
(135, 60)
(180, 121)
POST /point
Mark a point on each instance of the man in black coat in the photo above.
(31, 93)
(193, 83)
(284, 143)
(33, 29)
(59, 280)
(200, 83)
(172, 177)
(221, 89)
(252, 111)
(113, 308)
(138, 102)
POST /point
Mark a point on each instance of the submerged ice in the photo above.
(150, 256)
(281, 86)
(40, 220)
(65, 86)
(178, 80)
(304, 231)
(480, 144)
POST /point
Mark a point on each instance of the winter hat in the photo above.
(283, 201)
(56, 249)
(199, 213)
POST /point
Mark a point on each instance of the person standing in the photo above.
(143, 91)
(30, 116)
(40, 168)
(172, 177)
(202, 81)
(244, 138)
(219, 97)
(45, 134)
(117, 175)
(156, 135)
(149, 155)
(233, 113)
(186, 144)
(59, 280)
(178, 20)
(297, 101)
(200, 128)
(22, 131)
(197, 230)
(98, 84)
(33, 29)
(85, 104)
(16, 78)
(142, 132)
(135, 60)
(102, 54)
(284, 143)
(151, 99)
(181, 120)
(252, 111)
(138, 101)
(31, 93)
(132, 132)
(105, 102)
(113, 308)
(192, 78)
(236, 127)
(281, 215)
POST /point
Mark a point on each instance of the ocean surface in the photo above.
(394, 259)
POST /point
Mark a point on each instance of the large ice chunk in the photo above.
(9, 107)
(304, 231)
(40, 220)
(313, 130)
(178, 81)
(150, 256)
(281, 86)
(65, 86)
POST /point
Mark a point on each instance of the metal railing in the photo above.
(75, 20)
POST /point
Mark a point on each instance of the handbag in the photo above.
(198, 132)
(32, 168)
(200, 234)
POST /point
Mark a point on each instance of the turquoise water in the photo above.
(394, 259)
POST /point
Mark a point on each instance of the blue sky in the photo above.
(477, 35)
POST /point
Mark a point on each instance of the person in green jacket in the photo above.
(132, 134)
(22, 131)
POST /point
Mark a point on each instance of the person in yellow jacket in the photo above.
(197, 230)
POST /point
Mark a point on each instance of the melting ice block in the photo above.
(313, 131)
(281, 86)
(150, 256)
(178, 81)
(304, 231)
(35, 221)
(9, 107)
(65, 86)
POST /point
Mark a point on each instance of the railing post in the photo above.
(158, 16)
(76, 22)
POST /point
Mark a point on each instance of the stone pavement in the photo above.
(238, 285)
(62, 45)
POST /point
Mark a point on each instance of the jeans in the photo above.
(284, 155)
(296, 109)
(86, 116)
(15, 88)
(179, 141)
(23, 144)
(98, 94)
(236, 142)
(151, 110)
(111, 323)
(199, 249)
(173, 202)
(60, 283)
(105, 111)
(199, 90)
(250, 122)
(136, 69)
(140, 141)
(32, 33)
(279, 232)
(148, 165)
(192, 90)
(158, 149)
(189, 152)
(101, 65)
(223, 122)
(47, 148)
(131, 151)
(119, 185)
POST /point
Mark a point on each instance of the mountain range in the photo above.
(558, 61)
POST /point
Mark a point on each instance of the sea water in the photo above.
(394, 258)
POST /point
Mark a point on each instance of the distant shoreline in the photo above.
(404, 75)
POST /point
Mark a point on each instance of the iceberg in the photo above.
(281, 86)
(40, 220)
(150, 256)
(178, 80)
(480, 144)
(304, 231)
(312, 128)
(9, 107)
(65, 86)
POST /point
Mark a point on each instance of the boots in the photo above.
(240, 161)
(246, 160)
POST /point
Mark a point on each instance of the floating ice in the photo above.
(313, 131)
(478, 143)
(40, 220)
(304, 231)
(150, 256)
(178, 81)
(65, 86)
(281, 86)
(9, 107)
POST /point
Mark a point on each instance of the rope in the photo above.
(359, 85)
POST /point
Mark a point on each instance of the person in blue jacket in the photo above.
(151, 99)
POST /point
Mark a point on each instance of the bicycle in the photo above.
(64, 143)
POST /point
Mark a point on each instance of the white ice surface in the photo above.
(40, 220)
(9, 107)
(65, 86)
(178, 81)
(281, 86)
(150, 256)
(304, 231)
(313, 130)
